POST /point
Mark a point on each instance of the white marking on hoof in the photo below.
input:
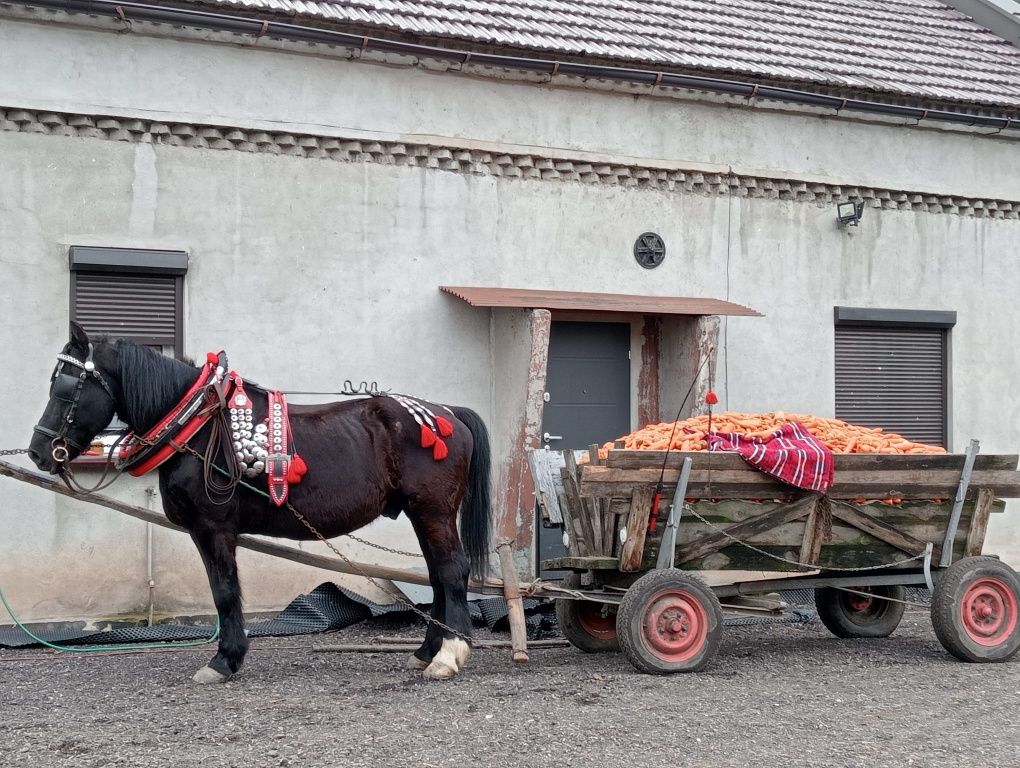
(438, 671)
(451, 657)
(415, 663)
(461, 651)
(208, 675)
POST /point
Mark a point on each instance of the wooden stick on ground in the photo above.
(514, 603)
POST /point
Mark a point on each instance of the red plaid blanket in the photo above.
(791, 453)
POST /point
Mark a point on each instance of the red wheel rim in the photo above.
(989, 611)
(857, 602)
(675, 625)
(596, 619)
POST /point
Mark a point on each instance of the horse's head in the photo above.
(81, 404)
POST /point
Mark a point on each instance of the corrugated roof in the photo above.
(921, 48)
(596, 302)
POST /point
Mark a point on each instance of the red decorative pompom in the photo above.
(439, 450)
(711, 397)
(444, 425)
(212, 358)
(428, 437)
(296, 470)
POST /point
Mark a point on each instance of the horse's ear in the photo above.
(79, 338)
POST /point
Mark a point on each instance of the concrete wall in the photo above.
(351, 254)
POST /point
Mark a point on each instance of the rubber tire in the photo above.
(879, 620)
(639, 599)
(570, 615)
(947, 609)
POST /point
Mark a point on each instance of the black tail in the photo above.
(476, 509)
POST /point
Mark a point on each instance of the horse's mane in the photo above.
(151, 383)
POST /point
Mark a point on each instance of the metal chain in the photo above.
(400, 598)
(13, 451)
(381, 547)
(811, 566)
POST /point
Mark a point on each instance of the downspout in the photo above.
(257, 28)
(150, 497)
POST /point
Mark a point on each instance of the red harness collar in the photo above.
(139, 455)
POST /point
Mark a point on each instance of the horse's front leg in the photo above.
(218, 554)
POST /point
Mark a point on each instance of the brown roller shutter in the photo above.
(143, 308)
(894, 378)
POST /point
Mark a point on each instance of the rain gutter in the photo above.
(258, 28)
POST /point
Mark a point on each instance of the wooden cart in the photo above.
(887, 522)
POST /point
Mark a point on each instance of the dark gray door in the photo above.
(588, 395)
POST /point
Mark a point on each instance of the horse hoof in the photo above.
(207, 675)
(439, 671)
(415, 663)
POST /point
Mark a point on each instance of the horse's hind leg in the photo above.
(217, 549)
(422, 657)
(449, 568)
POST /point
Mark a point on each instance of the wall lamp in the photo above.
(849, 213)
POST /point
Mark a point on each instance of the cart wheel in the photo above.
(669, 621)
(849, 614)
(587, 625)
(974, 609)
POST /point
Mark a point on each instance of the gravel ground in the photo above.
(778, 695)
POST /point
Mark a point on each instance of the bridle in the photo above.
(67, 388)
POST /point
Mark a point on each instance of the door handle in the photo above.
(549, 438)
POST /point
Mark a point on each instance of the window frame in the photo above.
(942, 320)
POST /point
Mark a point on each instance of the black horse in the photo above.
(364, 458)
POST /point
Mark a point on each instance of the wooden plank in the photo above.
(579, 541)
(858, 518)
(545, 469)
(774, 517)
(811, 546)
(979, 523)
(581, 564)
(589, 514)
(751, 484)
(631, 459)
(632, 552)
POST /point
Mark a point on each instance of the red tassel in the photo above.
(445, 427)
(428, 437)
(439, 450)
(711, 397)
(296, 470)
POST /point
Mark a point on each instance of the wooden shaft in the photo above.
(328, 563)
(515, 605)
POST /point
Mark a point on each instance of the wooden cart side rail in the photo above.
(631, 459)
(747, 483)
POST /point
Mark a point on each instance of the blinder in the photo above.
(67, 388)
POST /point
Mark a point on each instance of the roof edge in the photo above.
(617, 303)
(127, 11)
(993, 15)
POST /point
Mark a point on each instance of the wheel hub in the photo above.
(989, 611)
(675, 626)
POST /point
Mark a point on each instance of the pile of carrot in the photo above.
(841, 437)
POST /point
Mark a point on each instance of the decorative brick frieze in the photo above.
(473, 161)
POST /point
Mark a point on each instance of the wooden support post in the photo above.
(633, 552)
(514, 603)
(979, 523)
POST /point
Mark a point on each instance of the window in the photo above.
(130, 294)
(892, 371)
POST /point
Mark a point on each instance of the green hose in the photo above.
(97, 648)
